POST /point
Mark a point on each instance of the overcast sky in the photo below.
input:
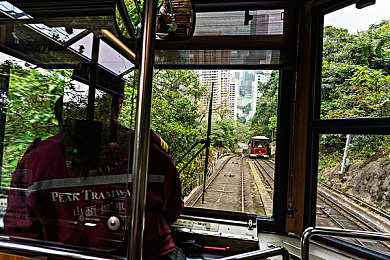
(359, 19)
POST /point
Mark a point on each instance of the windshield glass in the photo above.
(65, 171)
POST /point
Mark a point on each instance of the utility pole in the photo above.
(342, 171)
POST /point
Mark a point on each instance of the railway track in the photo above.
(267, 171)
(332, 213)
(246, 185)
(199, 193)
(225, 188)
(377, 210)
(231, 188)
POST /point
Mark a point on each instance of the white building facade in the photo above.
(226, 90)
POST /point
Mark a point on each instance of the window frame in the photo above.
(318, 126)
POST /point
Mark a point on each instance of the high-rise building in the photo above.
(261, 77)
(234, 92)
(225, 91)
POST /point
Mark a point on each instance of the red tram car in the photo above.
(259, 147)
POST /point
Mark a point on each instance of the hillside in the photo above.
(370, 182)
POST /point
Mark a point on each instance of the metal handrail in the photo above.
(260, 254)
(142, 133)
(49, 252)
(311, 231)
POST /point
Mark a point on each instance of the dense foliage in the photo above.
(175, 110)
(33, 93)
(265, 117)
(355, 84)
(223, 134)
(31, 97)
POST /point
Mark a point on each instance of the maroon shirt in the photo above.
(51, 201)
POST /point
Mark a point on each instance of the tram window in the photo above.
(216, 57)
(353, 180)
(351, 169)
(64, 175)
(260, 143)
(253, 22)
(34, 118)
(355, 68)
(245, 105)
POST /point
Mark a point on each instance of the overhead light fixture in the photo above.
(364, 3)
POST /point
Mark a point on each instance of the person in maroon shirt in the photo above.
(62, 194)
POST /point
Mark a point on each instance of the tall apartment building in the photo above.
(234, 92)
(261, 76)
(225, 91)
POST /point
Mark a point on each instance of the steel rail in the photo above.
(270, 164)
(338, 223)
(364, 225)
(265, 174)
(353, 215)
(265, 171)
(374, 208)
(211, 181)
(270, 168)
(309, 232)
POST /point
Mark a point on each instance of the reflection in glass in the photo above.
(262, 22)
(175, 19)
(65, 176)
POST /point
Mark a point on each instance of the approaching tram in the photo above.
(68, 70)
(259, 147)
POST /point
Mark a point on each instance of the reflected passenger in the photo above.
(74, 188)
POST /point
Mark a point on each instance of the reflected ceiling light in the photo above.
(118, 43)
(364, 3)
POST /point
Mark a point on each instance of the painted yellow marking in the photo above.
(266, 199)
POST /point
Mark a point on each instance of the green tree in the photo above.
(175, 113)
(247, 109)
(223, 134)
(266, 107)
(355, 82)
(367, 96)
(30, 112)
(371, 48)
(273, 122)
(243, 132)
(241, 119)
(335, 42)
(334, 82)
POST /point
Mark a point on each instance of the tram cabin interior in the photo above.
(69, 69)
